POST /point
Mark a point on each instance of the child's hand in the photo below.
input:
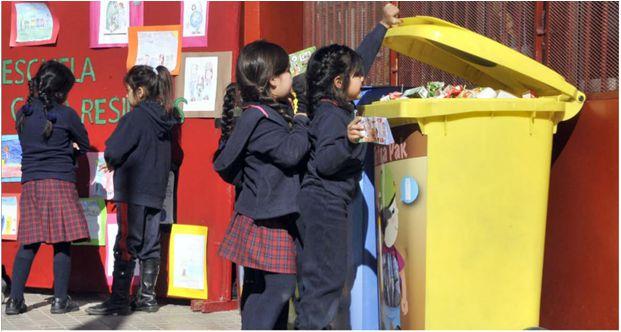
(354, 129)
(390, 13)
(404, 305)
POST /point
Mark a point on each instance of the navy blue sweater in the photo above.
(52, 158)
(262, 158)
(139, 152)
(335, 164)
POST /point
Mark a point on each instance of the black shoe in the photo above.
(15, 307)
(60, 306)
(146, 299)
(110, 307)
(118, 303)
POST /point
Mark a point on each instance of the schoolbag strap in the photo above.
(260, 109)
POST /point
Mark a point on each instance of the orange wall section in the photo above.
(581, 264)
(278, 22)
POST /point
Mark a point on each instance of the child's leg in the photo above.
(263, 298)
(21, 269)
(127, 244)
(323, 264)
(62, 269)
(149, 256)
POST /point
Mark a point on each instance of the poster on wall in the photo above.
(11, 159)
(401, 180)
(155, 46)
(195, 20)
(188, 262)
(101, 183)
(112, 228)
(10, 216)
(96, 215)
(202, 80)
(110, 22)
(32, 23)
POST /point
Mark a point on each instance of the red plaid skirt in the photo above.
(50, 212)
(259, 247)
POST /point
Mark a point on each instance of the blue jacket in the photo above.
(335, 164)
(53, 158)
(262, 158)
(139, 152)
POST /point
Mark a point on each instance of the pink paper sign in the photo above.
(110, 20)
(194, 22)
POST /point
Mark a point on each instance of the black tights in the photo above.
(23, 263)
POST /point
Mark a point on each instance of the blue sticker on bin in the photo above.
(409, 190)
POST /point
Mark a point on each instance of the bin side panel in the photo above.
(487, 201)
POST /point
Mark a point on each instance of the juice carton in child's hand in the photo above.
(298, 61)
(376, 130)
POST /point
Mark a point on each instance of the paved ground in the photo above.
(171, 316)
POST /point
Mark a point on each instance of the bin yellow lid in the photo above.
(478, 59)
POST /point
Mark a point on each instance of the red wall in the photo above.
(581, 270)
(203, 199)
(279, 22)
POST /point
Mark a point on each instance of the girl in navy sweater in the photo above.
(334, 78)
(260, 153)
(50, 135)
(139, 152)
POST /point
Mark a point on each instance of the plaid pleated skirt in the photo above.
(50, 212)
(260, 245)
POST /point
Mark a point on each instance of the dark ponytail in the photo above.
(324, 66)
(165, 87)
(157, 84)
(50, 85)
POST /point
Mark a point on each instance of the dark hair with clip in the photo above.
(324, 66)
(257, 64)
(156, 83)
(50, 85)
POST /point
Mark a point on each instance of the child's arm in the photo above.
(370, 45)
(286, 147)
(334, 152)
(78, 133)
(122, 141)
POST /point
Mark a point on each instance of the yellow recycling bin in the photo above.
(473, 240)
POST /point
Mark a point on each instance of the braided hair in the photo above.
(257, 64)
(324, 66)
(50, 85)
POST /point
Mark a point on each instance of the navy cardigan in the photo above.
(262, 158)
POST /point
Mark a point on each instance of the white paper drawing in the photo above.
(194, 18)
(34, 22)
(189, 261)
(101, 184)
(113, 22)
(200, 83)
(157, 48)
